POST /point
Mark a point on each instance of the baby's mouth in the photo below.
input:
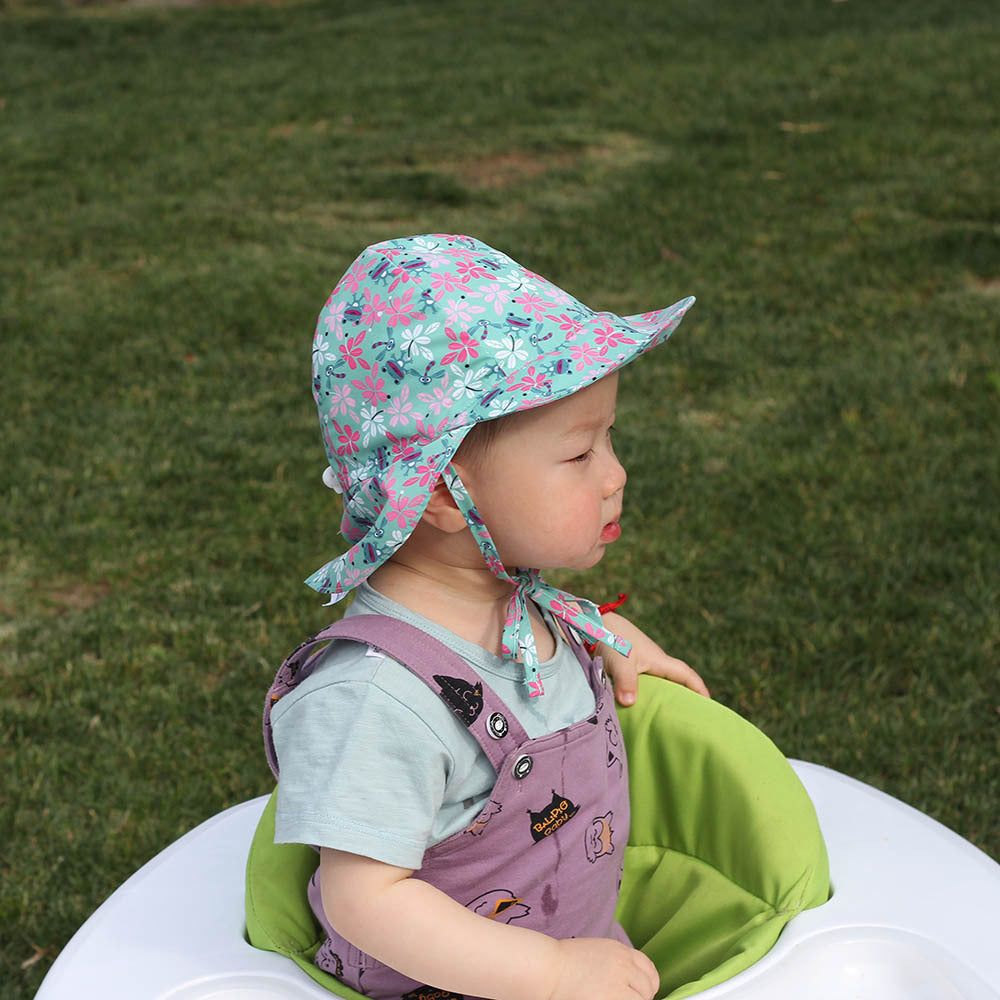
(611, 532)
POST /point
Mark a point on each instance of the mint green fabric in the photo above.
(724, 849)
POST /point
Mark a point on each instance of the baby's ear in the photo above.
(442, 512)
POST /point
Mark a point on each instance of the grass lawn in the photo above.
(813, 513)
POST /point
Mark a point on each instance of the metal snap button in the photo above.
(522, 767)
(496, 725)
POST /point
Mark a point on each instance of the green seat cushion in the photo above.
(724, 849)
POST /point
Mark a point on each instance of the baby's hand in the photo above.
(646, 658)
(603, 969)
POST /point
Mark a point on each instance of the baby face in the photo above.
(550, 487)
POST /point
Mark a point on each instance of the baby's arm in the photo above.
(423, 933)
(646, 658)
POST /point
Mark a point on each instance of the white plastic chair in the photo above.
(915, 915)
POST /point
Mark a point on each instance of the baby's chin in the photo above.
(588, 561)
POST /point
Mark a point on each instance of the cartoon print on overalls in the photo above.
(613, 738)
(528, 831)
(431, 993)
(597, 840)
(463, 698)
(478, 826)
(499, 904)
(330, 961)
(551, 817)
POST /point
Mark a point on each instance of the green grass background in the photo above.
(812, 514)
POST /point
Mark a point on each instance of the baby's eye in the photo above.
(583, 457)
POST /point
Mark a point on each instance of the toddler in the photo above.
(460, 764)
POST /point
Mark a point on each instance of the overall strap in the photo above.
(489, 721)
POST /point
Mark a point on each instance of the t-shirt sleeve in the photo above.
(360, 772)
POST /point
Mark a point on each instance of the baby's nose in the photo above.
(617, 477)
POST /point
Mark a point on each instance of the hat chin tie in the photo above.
(518, 642)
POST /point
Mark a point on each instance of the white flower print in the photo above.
(466, 382)
(508, 351)
(416, 340)
(512, 279)
(371, 423)
(502, 405)
(321, 353)
(422, 243)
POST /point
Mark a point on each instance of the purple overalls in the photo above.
(548, 848)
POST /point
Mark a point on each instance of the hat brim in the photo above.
(605, 344)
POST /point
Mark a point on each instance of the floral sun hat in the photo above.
(421, 339)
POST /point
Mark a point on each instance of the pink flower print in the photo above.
(495, 295)
(428, 431)
(402, 450)
(571, 327)
(585, 356)
(533, 381)
(403, 310)
(347, 439)
(352, 352)
(565, 610)
(371, 389)
(536, 688)
(351, 530)
(533, 304)
(354, 278)
(462, 347)
(426, 474)
(402, 276)
(334, 319)
(437, 400)
(553, 291)
(400, 510)
(341, 401)
(461, 311)
(469, 270)
(373, 308)
(608, 337)
(446, 283)
(399, 408)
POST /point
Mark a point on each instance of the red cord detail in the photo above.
(613, 605)
(602, 608)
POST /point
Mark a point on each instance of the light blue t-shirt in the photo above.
(373, 762)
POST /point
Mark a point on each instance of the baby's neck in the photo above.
(472, 603)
